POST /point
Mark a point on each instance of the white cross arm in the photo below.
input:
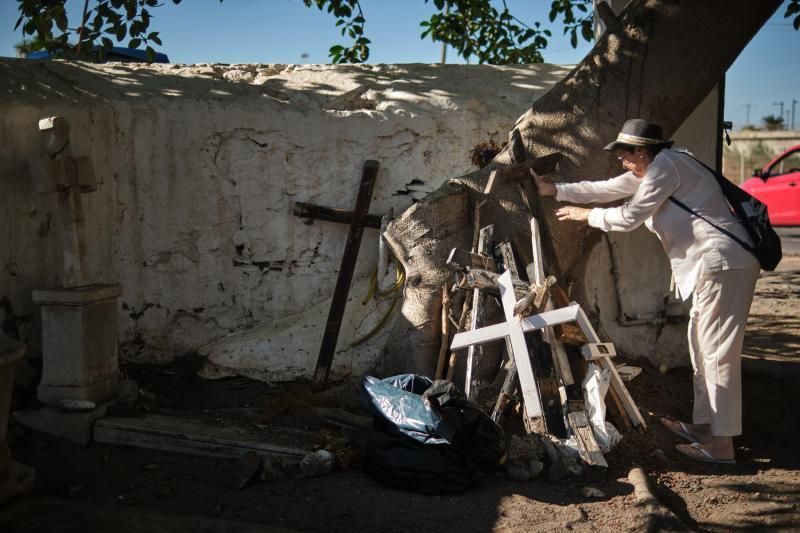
(531, 323)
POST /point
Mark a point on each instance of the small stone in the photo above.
(317, 463)
(517, 470)
(591, 492)
(536, 468)
(659, 454)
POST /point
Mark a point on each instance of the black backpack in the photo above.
(752, 214)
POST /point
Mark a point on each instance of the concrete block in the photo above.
(75, 427)
(79, 343)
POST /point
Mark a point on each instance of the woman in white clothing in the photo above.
(716, 270)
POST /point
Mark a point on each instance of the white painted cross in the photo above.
(514, 328)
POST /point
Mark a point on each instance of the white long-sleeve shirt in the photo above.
(692, 244)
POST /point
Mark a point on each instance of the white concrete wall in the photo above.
(199, 168)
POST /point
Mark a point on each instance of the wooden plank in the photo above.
(528, 387)
(566, 333)
(509, 385)
(616, 381)
(577, 419)
(201, 437)
(339, 301)
(506, 390)
(550, 368)
(445, 333)
(460, 260)
(587, 444)
(477, 278)
(475, 353)
(520, 172)
(559, 355)
(333, 214)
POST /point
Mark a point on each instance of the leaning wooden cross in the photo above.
(346, 270)
(514, 328)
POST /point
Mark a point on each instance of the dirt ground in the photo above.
(126, 489)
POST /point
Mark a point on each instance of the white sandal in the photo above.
(705, 456)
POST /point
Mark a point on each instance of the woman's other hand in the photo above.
(545, 188)
(571, 212)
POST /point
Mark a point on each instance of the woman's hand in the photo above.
(571, 212)
(545, 188)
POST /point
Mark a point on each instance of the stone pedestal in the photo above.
(79, 344)
(10, 472)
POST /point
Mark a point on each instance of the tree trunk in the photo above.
(658, 62)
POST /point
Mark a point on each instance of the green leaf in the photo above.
(61, 21)
(107, 42)
(134, 43)
(121, 31)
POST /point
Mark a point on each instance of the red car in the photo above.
(778, 186)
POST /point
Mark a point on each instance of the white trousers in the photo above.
(721, 304)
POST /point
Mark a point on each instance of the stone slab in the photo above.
(206, 437)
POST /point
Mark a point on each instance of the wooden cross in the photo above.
(70, 177)
(339, 301)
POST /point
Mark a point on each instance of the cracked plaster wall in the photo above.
(198, 170)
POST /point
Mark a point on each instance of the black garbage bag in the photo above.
(427, 436)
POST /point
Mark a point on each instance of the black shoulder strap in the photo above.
(726, 232)
(725, 185)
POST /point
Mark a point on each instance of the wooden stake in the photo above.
(476, 353)
(445, 333)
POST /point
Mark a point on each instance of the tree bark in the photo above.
(659, 63)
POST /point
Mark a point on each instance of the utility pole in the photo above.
(794, 103)
(780, 104)
(747, 108)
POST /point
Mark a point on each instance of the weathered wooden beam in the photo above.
(476, 278)
(587, 445)
(520, 172)
(475, 353)
(616, 381)
(459, 260)
(547, 366)
(346, 270)
(332, 214)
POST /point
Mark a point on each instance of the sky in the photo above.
(285, 31)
